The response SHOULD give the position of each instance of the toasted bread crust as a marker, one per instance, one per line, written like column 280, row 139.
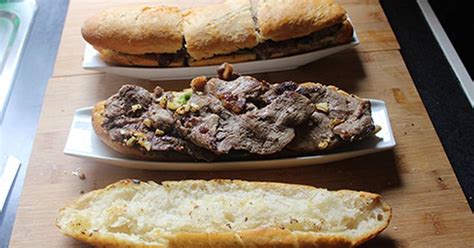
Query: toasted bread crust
column 260, row 237
column 219, row 29
column 212, row 33
column 97, row 124
column 345, row 34
column 229, row 58
column 117, row 58
column 135, row 29
column 282, row 20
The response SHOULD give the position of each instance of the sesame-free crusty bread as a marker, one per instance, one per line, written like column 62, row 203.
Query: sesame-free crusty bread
column 229, row 31
column 219, row 29
column 145, row 60
column 223, row 213
column 281, row 19
column 135, row 29
column 226, row 58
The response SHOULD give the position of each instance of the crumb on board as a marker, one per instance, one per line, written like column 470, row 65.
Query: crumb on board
column 78, row 173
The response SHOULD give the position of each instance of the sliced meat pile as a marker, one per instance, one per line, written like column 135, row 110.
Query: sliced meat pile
column 232, row 116
column 237, row 113
column 134, row 116
column 338, row 118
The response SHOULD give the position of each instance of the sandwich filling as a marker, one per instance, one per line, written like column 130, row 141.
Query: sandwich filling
column 316, row 40
column 236, row 113
column 273, row 49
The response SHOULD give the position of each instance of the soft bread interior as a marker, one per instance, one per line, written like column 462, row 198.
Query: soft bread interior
column 151, row 214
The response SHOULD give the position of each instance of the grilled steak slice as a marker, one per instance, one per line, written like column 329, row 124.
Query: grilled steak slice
column 200, row 126
column 239, row 95
column 338, row 118
column 269, row 129
column 231, row 117
column 119, row 111
column 134, row 117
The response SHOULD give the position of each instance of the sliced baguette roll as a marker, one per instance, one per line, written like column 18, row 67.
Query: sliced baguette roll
column 223, row 213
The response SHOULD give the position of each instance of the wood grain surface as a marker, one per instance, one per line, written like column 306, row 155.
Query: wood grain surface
column 416, row 179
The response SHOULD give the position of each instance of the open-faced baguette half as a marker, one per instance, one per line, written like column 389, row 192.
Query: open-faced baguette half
column 223, row 213
column 231, row 113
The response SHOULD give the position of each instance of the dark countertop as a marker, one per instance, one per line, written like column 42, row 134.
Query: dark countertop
column 442, row 95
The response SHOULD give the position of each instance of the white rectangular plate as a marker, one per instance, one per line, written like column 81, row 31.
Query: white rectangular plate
column 93, row 62
column 83, row 142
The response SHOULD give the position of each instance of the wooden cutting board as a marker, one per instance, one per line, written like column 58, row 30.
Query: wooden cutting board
column 429, row 209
